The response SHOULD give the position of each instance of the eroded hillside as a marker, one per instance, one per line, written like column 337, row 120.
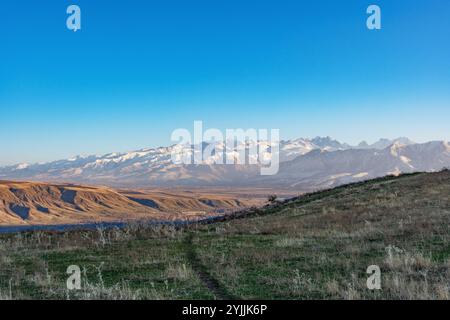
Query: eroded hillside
column 42, row 203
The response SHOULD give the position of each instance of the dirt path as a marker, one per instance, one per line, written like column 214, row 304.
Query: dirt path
column 219, row 292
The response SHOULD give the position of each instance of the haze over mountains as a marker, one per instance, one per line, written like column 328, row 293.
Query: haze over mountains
column 306, row 164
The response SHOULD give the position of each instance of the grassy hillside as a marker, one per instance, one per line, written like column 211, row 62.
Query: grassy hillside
column 315, row 246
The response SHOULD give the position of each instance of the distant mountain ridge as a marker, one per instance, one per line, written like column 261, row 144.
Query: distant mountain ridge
column 305, row 164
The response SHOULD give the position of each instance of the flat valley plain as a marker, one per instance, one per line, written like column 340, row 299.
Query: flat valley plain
column 315, row 246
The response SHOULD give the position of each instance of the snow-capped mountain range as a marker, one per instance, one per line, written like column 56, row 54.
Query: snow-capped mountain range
column 306, row 164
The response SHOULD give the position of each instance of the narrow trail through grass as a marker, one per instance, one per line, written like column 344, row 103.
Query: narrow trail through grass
column 219, row 292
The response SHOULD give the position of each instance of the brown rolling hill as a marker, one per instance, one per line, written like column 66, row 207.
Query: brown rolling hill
column 31, row 203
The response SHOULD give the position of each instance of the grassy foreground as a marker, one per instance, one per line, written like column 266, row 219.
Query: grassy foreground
column 317, row 246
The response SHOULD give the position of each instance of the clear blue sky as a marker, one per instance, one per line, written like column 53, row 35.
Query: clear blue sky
column 140, row 69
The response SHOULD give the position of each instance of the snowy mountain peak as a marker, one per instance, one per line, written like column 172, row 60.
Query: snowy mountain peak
column 328, row 143
column 385, row 143
column 22, row 166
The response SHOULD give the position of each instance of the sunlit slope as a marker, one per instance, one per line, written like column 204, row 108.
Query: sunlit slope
column 41, row 203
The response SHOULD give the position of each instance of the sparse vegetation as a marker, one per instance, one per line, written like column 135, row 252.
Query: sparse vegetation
column 317, row 246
